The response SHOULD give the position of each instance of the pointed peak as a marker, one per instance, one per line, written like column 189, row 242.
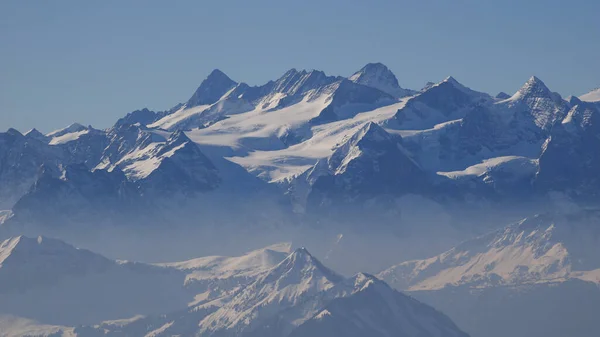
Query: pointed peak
column 178, row 137
column 301, row 254
column 534, row 79
column 450, row 83
column 218, row 74
column 450, row 79
column 14, row 132
column 502, row 95
column 33, row 131
column 301, row 259
column 211, row 89
column 533, row 87
column 574, row 100
column 373, row 132
column 35, row 134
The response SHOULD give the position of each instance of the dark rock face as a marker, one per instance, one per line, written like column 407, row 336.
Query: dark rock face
column 570, row 160
column 211, row 89
column 370, row 163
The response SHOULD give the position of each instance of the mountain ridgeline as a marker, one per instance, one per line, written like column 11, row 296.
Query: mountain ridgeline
column 309, row 152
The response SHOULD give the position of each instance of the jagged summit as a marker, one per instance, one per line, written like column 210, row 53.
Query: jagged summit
column 295, row 82
column 582, row 114
column 211, row 89
column 143, row 117
column 427, row 86
column 379, row 76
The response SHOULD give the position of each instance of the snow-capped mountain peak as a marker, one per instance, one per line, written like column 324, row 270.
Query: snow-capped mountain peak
column 75, row 127
column 533, row 88
column 379, row 76
column 298, row 287
column 35, row 134
column 368, row 312
column 295, row 82
column 370, row 139
column 211, row 89
column 371, row 132
column 540, row 249
column 544, row 106
column 301, row 265
column 456, row 84
column 581, row 115
column 592, row 96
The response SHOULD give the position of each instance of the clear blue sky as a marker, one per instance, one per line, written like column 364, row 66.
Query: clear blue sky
column 93, row 61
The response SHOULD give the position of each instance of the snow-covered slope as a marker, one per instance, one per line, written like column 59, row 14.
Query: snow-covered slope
column 211, row 89
column 250, row 265
column 592, row 96
column 300, row 297
column 541, row 274
column 176, row 164
column 541, row 249
column 445, row 101
column 296, row 288
column 378, row 76
column 37, row 273
column 71, row 129
column 297, row 138
column 543, row 107
column 569, row 159
column 374, row 309
column 517, row 126
column 371, row 162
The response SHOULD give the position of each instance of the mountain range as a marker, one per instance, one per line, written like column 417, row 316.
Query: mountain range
column 364, row 172
column 317, row 149
column 268, row 292
column 541, row 274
